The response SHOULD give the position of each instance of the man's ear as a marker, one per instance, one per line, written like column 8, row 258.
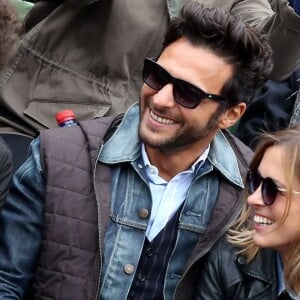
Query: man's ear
column 232, row 115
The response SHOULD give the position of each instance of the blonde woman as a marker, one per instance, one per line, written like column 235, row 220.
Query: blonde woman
column 260, row 256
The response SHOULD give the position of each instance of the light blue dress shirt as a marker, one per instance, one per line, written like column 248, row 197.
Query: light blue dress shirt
column 167, row 196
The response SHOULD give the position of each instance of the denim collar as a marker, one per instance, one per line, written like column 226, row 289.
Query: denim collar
column 223, row 158
column 124, row 146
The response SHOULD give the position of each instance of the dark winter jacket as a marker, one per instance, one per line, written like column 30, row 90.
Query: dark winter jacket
column 275, row 106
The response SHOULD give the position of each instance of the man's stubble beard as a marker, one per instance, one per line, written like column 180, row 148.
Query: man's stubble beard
column 182, row 140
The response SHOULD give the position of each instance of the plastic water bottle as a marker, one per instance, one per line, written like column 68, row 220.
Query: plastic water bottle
column 66, row 118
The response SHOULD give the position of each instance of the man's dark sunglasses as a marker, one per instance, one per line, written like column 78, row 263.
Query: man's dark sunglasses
column 269, row 189
column 184, row 93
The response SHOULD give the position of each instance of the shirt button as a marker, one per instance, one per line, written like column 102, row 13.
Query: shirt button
column 143, row 213
column 140, row 166
column 141, row 277
column 128, row 269
column 149, row 252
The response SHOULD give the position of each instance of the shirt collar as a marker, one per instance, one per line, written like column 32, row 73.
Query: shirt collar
column 280, row 278
column 194, row 168
column 223, row 158
column 281, row 284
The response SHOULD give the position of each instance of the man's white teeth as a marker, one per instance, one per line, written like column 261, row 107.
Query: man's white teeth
column 262, row 220
column 160, row 119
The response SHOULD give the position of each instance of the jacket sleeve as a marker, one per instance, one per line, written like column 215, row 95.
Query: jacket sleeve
column 280, row 21
column 6, row 169
column 21, row 225
column 42, row 8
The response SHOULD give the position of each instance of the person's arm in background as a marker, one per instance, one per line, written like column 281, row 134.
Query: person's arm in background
column 21, row 226
column 281, row 22
column 76, row 2
column 6, row 170
column 42, row 8
column 9, row 26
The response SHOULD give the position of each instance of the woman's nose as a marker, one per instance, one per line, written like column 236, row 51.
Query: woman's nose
column 256, row 197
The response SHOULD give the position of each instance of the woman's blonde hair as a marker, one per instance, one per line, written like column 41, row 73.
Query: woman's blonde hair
column 241, row 233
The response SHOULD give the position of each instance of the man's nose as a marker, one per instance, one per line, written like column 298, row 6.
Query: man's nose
column 164, row 97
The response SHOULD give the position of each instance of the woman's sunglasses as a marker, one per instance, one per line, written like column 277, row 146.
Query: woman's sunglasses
column 269, row 189
column 184, row 93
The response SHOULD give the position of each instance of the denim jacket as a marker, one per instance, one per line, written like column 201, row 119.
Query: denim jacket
column 22, row 218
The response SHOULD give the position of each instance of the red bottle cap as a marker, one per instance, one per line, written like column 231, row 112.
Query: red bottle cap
column 64, row 116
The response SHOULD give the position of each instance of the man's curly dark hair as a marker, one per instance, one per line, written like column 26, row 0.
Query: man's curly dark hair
column 8, row 30
column 229, row 37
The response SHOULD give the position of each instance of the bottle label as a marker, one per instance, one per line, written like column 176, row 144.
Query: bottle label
column 68, row 123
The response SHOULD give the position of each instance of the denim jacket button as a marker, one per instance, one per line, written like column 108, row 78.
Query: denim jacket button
column 143, row 213
column 128, row 269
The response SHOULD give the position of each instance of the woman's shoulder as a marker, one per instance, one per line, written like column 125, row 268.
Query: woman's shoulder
column 224, row 249
column 228, row 275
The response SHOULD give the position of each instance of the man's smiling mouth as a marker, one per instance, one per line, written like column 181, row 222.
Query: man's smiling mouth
column 160, row 119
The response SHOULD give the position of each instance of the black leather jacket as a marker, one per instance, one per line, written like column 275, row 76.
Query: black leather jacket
column 227, row 276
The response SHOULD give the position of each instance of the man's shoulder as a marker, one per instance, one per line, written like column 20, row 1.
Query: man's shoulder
column 86, row 137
